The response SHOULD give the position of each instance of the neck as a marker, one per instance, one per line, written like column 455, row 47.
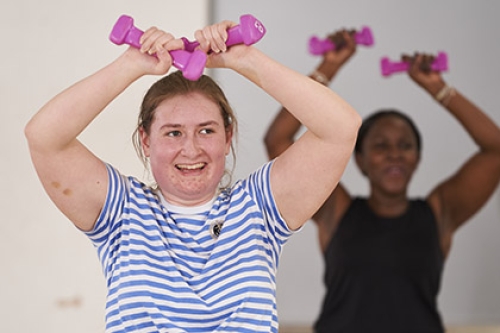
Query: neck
column 388, row 206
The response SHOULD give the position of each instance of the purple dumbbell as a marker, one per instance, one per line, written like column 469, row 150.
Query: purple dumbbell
column 319, row 46
column 439, row 64
column 191, row 64
column 248, row 32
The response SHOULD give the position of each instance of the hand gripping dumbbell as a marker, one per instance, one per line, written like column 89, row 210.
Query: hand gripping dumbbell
column 319, row 46
column 249, row 31
column 191, row 64
column 190, row 61
column 388, row 67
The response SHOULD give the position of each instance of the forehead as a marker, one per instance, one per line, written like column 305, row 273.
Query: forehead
column 389, row 126
column 192, row 107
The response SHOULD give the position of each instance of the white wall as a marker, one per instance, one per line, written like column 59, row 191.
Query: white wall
column 468, row 31
column 50, row 278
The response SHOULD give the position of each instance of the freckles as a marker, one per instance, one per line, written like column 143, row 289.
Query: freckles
column 57, row 185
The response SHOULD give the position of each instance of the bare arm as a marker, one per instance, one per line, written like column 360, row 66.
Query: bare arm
column 460, row 196
column 284, row 128
column 317, row 160
column 73, row 177
column 282, row 131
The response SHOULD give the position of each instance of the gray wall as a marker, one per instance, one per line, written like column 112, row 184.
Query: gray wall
column 468, row 31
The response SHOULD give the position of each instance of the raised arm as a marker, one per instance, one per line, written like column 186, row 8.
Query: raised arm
column 460, row 196
column 74, row 178
column 284, row 128
column 305, row 174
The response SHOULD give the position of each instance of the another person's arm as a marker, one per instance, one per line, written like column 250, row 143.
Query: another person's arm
column 284, row 128
column 461, row 195
column 74, row 178
column 306, row 173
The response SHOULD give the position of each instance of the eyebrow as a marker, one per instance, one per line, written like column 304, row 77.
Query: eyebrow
column 203, row 124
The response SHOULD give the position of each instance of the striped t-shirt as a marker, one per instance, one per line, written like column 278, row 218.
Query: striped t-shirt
column 167, row 271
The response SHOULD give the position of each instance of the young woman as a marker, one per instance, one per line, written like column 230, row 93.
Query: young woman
column 190, row 254
column 384, row 254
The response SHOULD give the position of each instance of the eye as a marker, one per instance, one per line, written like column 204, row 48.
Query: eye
column 173, row 133
column 207, row 131
column 380, row 145
column 406, row 145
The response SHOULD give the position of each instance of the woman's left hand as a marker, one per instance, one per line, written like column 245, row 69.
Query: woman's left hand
column 421, row 72
column 212, row 40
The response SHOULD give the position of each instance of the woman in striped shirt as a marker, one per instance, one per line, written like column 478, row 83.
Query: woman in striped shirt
column 190, row 254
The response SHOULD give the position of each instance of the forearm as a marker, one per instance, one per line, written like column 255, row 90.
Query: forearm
column 484, row 132
column 283, row 130
column 63, row 118
column 315, row 106
column 327, row 70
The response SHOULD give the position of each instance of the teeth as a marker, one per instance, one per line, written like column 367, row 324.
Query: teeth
column 191, row 166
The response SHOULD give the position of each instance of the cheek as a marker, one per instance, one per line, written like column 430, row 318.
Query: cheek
column 159, row 151
column 414, row 159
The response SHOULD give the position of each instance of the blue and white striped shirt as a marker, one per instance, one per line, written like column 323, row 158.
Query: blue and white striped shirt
column 166, row 273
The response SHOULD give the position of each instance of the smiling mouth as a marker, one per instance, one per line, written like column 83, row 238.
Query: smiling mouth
column 395, row 171
column 197, row 166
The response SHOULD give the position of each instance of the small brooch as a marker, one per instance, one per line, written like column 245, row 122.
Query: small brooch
column 215, row 228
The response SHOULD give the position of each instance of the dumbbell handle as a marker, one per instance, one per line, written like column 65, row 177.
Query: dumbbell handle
column 389, row 67
column 191, row 64
column 249, row 31
column 319, row 46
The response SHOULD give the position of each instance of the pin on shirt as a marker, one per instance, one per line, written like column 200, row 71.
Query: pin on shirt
column 215, row 228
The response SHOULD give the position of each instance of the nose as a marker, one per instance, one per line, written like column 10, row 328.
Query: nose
column 394, row 152
column 190, row 146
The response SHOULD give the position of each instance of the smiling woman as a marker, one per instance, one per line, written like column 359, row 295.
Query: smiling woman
column 385, row 253
column 190, row 254
column 187, row 158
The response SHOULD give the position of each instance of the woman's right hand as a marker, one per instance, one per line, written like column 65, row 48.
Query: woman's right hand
column 153, row 57
column 345, row 48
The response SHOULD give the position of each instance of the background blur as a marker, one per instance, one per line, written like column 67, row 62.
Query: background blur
column 50, row 278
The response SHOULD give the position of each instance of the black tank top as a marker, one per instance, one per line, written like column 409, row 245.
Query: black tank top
column 383, row 274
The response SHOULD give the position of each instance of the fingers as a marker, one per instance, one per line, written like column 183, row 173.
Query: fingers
column 156, row 41
column 419, row 62
column 213, row 38
column 345, row 47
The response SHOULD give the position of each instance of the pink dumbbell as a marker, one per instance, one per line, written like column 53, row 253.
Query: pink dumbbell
column 319, row 46
column 191, row 64
column 439, row 64
column 248, row 32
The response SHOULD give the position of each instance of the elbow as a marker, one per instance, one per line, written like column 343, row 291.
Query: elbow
column 30, row 133
column 271, row 150
column 269, row 144
column 275, row 146
column 34, row 134
column 356, row 122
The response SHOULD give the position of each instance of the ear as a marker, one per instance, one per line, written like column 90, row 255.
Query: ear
column 229, row 139
column 359, row 162
column 145, row 141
